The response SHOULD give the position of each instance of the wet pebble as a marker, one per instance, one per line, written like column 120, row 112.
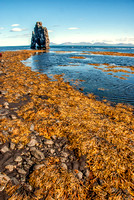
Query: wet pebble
column 75, row 165
column 10, row 167
column 36, row 167
column 32, row 127
column 52, row 151
column 6, row 105
column 79, row 174
column 64, row 165
column 4, row 149
column 3, row 179
column 12, row 146
column 18, row 159
column 32, row 143
column 48, row 142
column 21, row 171
column 36, row 153
column 13, row 117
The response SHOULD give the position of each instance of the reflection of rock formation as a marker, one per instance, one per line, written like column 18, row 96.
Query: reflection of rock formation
column 40, row 37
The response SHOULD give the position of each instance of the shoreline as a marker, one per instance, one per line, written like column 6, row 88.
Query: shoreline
column 33, row 104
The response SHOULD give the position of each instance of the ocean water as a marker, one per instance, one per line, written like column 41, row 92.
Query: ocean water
column 84, row 76
column 13, row 48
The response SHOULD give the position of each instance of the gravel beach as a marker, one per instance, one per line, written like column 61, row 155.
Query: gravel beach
column 57, row 143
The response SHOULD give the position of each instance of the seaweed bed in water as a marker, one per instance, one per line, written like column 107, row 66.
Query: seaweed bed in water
column 102, row 133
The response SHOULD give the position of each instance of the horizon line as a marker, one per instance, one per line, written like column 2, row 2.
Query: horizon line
column 77, row 43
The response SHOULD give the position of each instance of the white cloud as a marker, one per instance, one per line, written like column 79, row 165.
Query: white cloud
column 17, row 29
column 1, row 28
column 15, row 25
column 50, row 31
column 73, row 28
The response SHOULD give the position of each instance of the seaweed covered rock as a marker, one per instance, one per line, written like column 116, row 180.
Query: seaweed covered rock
column 40, row 38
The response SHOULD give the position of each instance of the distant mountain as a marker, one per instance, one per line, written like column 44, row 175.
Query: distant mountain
column 52, row 43
column 79, row 43
column 92, row 44
column 106, row 44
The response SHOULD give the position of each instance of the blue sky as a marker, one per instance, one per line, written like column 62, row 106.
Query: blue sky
column 110, row 21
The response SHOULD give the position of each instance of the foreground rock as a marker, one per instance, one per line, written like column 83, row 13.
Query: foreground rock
column 17, row 163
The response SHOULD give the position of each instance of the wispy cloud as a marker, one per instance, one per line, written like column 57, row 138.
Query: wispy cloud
column 15, row 24
column 73, row 28
column 1, row 28
column 18, row 29
column 19, row 35
column 125, row 39
column 50, row 31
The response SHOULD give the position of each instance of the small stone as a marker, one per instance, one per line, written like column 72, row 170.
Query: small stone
column 3, row 92
column 32, row 127
column 79, row 174
column 4, row 180
column 18, row 159
column 75, row 165
column 87, row 173
column 64, row 154
column 20, row 146
column 2, row 117
column 19, row 164
column 82, row 165
column 52, row 151
column 2, row 61
column 32, row 143
column 64, row 165
column 36, row 167
column 4, row 149
column 12, row 146
column 13, row 117
column 3, row 111
column 54, row 137
column 30, row 162
column 14, row 180
column 37, row 154
column 10, row 167
column 5, row 132
column 23, row 179
column 26, row 167
column 21, row 171
column 56, row 144
column 29, row 187
column 63, row 159
column 6, row 105
column 48, row 142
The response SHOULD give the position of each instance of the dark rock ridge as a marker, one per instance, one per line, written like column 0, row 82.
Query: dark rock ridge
column 40, row 38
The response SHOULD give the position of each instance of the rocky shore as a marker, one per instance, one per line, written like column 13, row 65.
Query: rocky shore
column 57, row 143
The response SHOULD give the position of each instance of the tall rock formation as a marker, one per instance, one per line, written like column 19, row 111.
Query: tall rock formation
column 40, row 38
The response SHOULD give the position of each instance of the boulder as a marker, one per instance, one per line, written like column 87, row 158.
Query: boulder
column 40, row 38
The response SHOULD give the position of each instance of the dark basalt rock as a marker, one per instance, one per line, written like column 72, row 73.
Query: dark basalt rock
column 40, row 38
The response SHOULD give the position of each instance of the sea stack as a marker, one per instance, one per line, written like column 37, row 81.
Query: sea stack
column 40, row 38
